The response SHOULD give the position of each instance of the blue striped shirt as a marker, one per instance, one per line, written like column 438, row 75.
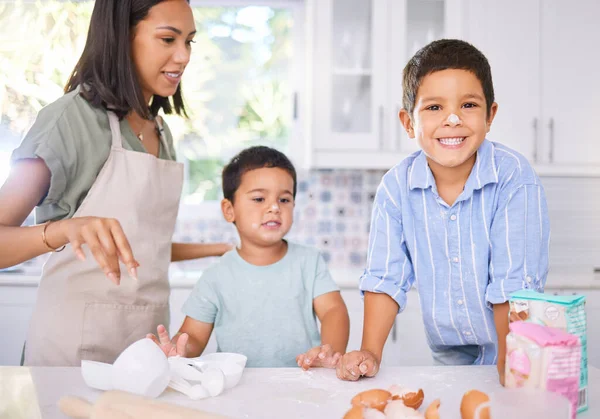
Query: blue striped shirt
column 462, row 258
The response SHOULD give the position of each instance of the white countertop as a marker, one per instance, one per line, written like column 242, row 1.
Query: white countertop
column 558, row 278
column 268, row 392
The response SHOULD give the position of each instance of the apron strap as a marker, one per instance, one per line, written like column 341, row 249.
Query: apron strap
column 162, row 136
column 115, row 130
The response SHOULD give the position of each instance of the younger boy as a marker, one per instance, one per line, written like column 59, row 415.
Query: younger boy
column 262, row 299
column 464, row 219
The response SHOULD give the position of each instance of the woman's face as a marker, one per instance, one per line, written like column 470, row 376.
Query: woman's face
column 161, row 47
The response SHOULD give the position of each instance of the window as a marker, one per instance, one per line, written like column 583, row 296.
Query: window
column 240, row 87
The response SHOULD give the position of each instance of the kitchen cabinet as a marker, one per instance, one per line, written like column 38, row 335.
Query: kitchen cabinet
column 16, row 307
column 544, row 65
column 359, row 49
column 406, row 343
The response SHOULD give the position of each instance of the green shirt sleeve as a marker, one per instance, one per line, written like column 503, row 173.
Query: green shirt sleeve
column 323, row 281
column 203, row 302
column 48, row 139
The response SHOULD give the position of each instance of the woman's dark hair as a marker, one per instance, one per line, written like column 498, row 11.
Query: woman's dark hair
column 105, row 71
column 441, row 55
column 250, row 159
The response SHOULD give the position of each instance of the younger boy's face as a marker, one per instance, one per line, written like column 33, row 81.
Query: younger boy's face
column 449, row 142
column 263, row 207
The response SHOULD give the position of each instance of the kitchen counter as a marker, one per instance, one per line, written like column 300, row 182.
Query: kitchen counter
column 268, row 392
column 559, row 278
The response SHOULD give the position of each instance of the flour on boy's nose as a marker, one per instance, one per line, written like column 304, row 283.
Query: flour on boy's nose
column 453, row 119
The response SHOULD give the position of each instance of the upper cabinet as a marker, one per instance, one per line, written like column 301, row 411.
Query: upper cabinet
column 544, row 59
column 359, row 49
column 543, row 56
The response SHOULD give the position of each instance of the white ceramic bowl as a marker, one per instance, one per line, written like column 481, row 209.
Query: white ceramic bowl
column 141, row 369
column 231, row 364
column 225, row 357
column 97, row 374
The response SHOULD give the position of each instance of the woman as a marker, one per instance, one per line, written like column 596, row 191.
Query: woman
column 99, row 165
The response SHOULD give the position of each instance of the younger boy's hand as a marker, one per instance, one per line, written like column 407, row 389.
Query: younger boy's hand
column 355, row 364
column 319, row 356
column 171, row 347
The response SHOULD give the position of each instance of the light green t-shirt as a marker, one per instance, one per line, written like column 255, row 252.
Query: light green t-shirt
column 263, row 312
column 74, row 140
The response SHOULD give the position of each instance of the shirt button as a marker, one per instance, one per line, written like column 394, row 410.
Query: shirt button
column 528, row 279
column 460, row 302
column 467, row 333
column 455, row 259
column 453, row 217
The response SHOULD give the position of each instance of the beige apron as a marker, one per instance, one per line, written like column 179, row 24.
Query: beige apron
column 80, row 313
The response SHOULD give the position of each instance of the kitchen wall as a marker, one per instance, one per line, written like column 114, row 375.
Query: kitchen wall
column 333, row 212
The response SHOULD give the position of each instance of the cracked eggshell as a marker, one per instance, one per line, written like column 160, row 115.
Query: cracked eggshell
column 433, row 410
column 375, row 399
column 471, row 399
column 398, row 410
column 410, row 397
column 358, row 412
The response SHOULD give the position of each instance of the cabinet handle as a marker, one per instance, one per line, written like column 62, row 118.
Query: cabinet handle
column 535, row 140
column 551, row 129
column 394, row 333
column 295, row 104
column 381, row 143
column 398, row 134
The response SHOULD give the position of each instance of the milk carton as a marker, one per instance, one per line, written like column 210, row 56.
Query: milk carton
column 544, row 358
column 566, row 313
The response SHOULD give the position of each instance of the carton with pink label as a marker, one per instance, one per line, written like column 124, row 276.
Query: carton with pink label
column 544, row 358
column 566, row 313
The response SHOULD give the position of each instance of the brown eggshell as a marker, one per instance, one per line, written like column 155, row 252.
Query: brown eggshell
column 471, row 399
column 414, row 400
column 355, row 413
column 433, row 410
column 375, row 399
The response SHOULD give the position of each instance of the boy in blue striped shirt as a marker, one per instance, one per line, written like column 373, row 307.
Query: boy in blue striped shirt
column 464, row 220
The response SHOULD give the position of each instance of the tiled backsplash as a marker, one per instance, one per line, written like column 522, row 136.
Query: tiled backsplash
column 333, row 210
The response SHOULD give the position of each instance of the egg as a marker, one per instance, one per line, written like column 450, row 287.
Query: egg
column 396, row 409
column 410, row 397
column 375, row 399
column 433, row 410
column 469, row 403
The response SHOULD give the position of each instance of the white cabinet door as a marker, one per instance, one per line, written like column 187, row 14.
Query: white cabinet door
column 349, row 74
column 16, row 307
column 406, row 344
column 178, row 297
column 355, row 306
column 511, row 43
column 571, row 86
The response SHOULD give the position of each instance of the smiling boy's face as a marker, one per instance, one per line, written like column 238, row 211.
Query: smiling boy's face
column 263, row 207
column 449, row 142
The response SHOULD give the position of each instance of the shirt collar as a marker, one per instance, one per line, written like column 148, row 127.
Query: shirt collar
column 483, row 172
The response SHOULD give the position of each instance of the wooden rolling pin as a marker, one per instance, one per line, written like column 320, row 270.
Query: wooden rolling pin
column 116, row 404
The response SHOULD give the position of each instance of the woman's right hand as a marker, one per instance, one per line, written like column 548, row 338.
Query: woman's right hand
column 105, row 239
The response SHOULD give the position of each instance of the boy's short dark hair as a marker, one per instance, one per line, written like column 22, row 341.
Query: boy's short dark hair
column 445, row 54
column 250, row 159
